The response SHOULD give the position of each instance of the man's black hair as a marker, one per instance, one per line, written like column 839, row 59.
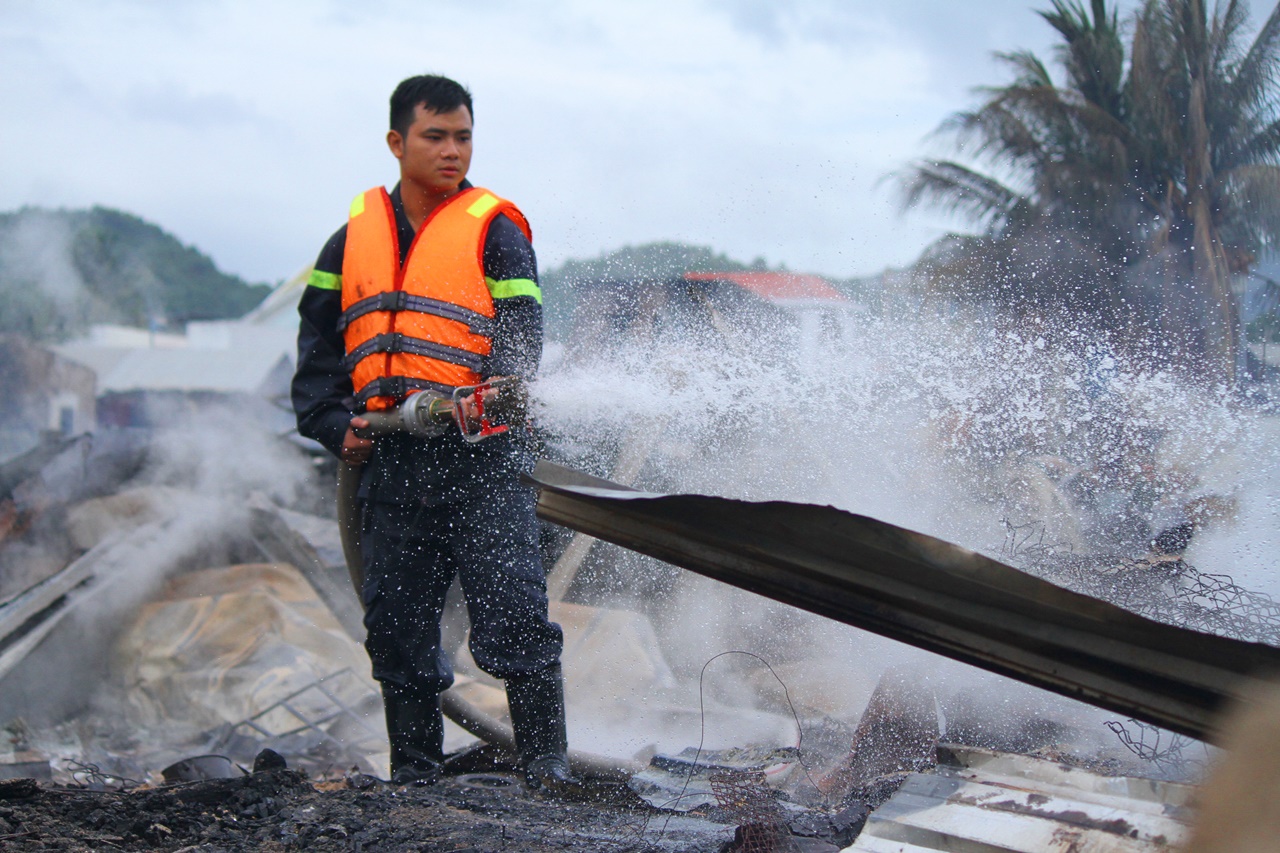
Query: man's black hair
column 436, row 94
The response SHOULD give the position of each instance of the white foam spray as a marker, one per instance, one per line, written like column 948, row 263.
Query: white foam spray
column 949, row 426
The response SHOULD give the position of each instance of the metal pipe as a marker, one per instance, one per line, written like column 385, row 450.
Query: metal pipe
column 499, row 734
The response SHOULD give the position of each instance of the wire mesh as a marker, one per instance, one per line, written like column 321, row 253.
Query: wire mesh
column 93, row 777
column 1164, row 589
column 744, row 795
column 1166, row 750
column 307, row 719
column 1167, row 590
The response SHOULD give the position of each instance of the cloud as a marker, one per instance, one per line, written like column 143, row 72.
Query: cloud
column 170, row 103
column 246, row 126
column 847, row 26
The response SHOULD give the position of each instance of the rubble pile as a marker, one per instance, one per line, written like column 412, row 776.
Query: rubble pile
column 178, row 641
column 282, row 810
column 171, row 637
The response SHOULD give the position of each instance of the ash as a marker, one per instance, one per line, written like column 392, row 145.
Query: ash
column 284, row 810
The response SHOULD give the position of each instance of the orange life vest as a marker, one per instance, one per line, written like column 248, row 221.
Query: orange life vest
column 427, row 324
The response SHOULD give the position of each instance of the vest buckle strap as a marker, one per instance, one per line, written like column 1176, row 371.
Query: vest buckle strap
column 397, row 388
column 395, row 342
column 391, row 343
column 388, row 300
column 391, row 300
column 477, row 323
column 394, row 386
column 401, row 300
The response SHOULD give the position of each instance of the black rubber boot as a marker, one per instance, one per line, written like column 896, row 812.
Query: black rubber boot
column 415, row 728
column 537, row 718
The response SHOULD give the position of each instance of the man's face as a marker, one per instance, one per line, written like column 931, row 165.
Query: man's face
column 435, row 153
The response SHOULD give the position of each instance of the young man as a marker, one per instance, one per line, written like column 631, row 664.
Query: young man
column 431, row 287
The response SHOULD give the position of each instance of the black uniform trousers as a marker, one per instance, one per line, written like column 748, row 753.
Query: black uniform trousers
column 412, row 551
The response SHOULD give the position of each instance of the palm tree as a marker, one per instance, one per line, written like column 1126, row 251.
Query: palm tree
column 1133, row 191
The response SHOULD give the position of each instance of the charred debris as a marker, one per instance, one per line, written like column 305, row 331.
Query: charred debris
column 216, row 701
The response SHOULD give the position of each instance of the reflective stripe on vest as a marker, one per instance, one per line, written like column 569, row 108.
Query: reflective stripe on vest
column 395, row 343
column 426, row 324
column 398, row 300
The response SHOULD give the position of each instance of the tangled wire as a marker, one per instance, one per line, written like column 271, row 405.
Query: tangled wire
column 1174, row 592
column 1168, row 590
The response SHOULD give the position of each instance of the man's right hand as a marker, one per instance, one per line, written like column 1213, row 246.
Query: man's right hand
column 356, row 450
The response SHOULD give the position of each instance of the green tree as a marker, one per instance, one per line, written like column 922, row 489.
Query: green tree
column 62, row 270
column 1133, row 190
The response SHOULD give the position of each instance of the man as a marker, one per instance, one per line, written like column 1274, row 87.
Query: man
column 432, row 287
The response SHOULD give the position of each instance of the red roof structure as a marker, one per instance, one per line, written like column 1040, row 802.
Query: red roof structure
column 775, row 286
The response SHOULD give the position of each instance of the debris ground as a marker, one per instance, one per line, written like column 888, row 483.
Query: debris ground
column 283, row 810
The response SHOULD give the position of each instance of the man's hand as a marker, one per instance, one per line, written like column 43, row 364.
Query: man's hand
column 356, row 450
column 468, row 412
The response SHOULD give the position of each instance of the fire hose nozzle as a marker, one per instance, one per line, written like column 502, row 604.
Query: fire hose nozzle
column 490, row 408
column 424, row 414
column 477, row 411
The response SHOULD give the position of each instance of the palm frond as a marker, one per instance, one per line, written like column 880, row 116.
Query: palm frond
column 1225, row 28
column 955, row 188
column 997, row 134
column 1150, row 94
column 1253, row 213
column 1248, row 94
column 1263, row 146
column 1092, row 51
column 1258, row 71
column 1028, row 70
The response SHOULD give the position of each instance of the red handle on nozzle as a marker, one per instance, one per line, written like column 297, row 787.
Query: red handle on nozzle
column 487, row 427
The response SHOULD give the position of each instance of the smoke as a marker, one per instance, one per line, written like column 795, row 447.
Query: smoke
column 205, row 469
column 37, row 247
column 188, row 507
column 946, row 425
column 42, row 294
column 222, row 452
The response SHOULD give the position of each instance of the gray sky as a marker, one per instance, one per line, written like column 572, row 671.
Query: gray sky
column 246, row 126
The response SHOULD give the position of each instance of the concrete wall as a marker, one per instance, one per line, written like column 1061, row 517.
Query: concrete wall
column 41, row 391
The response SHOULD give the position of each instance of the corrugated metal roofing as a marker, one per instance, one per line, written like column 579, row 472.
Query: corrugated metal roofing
column 977, row 800
column 253, row 354
column 280, row 308
column 776, row 286
column 246, row 370
column 927, row 592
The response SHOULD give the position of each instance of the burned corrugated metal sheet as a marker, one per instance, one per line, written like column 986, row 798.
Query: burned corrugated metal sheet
column 923, row 591
column 976, row 800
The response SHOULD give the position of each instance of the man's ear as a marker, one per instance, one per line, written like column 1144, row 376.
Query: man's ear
column 396, row 143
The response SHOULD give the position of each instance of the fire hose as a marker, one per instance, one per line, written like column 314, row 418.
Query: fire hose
column 479, row 412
